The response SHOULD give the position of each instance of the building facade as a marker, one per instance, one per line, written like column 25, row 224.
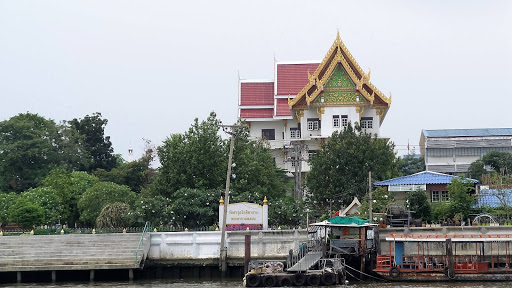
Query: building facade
column 307, row 101
column 451, row 151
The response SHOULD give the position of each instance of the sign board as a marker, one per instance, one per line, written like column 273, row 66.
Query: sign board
column 244, row 213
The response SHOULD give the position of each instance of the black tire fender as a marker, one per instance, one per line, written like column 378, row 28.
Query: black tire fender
column 252, row 280
column 394, row 272
column 328, row 279
column 299, row 279
column 286, row 282
column 314, row 280
column 269, row 281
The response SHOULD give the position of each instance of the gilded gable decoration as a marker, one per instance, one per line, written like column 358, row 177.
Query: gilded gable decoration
column 339, row 81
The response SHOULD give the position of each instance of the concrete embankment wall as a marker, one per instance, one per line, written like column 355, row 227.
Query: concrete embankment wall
column 203, row 248
column 439, row 248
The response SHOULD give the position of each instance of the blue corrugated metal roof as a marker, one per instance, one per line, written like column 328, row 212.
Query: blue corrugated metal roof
column 425, row 177
column 489, row 198
column 468, row 132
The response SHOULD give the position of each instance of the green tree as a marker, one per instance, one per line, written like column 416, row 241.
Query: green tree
column 499, row 161
column 477, row 169
column 255, row 175
column 114, row 215
column 6, row 201
column 194, row 207
column 381, row 199
column 47, row 199
column 461, row 200
column 196, row 159
column 137, row 174
column 29, row 150
column 285, row 211
column 100, row 195
column 418, row 202
column 97, row 145
column 26, row 214
column 409, row 164
column 340, row 169
column 154, row 209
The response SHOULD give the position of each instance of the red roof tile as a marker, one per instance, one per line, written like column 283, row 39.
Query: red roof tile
column 258, row 93
column 291, row 78
column 282, row 108
column 256, row 113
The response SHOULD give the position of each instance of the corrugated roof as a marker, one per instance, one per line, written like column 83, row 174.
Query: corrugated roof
column 425, row 177
column 291, row 78
column 468, row 132
column 258, row 93
column 491, row 198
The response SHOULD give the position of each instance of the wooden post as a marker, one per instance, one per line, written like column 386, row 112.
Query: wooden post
column 130, row 274
column 449, row 254
column 54, row 276
column 18, row 277
column 247, row 257
column 91, row 276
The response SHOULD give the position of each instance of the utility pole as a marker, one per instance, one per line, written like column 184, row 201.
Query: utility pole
column 296, row 150
column 370, row 205
column 223, row 249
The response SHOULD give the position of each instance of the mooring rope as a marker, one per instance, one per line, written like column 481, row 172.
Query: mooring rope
column 352, row 275
column 364, row 274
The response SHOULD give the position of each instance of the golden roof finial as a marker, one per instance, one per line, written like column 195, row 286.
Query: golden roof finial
column 221, row 202
column 338, row 35
column 369, row 72
column 265, row 201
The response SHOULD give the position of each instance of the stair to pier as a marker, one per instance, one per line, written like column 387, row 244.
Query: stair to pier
column 310, row 259
column 69, row 252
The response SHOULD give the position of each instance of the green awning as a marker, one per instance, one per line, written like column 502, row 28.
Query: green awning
column 348, row 220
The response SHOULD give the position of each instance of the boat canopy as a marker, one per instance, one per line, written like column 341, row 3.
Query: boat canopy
column 343, row 221
column 453, row 237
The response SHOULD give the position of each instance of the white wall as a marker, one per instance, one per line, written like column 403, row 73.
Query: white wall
column 206, row 245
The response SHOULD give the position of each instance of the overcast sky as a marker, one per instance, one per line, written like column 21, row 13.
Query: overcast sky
column 151, row 67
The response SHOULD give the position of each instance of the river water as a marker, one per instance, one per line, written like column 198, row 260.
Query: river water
column 238, row 283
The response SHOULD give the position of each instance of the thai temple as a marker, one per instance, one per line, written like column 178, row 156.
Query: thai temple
column 307, row 101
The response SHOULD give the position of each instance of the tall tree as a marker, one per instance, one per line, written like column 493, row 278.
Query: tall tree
column 29, row 149
column 99, row 147
column 196, row 159
column 101, row 194
column 255, row 175
column 409, row 164
column 340, row 169
column 461, row 200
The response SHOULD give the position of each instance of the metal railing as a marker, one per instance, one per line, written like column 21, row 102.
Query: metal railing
column 143, row 244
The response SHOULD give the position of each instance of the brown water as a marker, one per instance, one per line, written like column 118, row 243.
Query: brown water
column 238, row 283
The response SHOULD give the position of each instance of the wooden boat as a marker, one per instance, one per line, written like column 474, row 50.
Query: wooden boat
column 319, row 262
column 439, row 257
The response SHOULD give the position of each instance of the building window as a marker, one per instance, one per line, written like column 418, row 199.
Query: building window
column 311, row 153
column 268, row 134
column 295, row 161
column 344, row 120
column 367, row 122
column 440, row 196
column 336, row 121
column 294, row 133
column 313, row 124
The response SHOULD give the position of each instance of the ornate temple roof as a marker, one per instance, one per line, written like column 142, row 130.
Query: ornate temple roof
column 335, row 81
column 339, row 80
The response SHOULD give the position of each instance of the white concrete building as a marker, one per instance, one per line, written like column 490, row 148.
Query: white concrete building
column 451, row 151
column 307, row 101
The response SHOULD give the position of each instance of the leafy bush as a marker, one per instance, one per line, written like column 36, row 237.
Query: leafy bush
column 100, row 195
column 418, row 202
column 26, row 214
column 114, row 215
